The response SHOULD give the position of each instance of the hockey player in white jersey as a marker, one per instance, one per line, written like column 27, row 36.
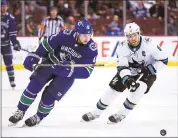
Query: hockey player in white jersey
column 139, row 59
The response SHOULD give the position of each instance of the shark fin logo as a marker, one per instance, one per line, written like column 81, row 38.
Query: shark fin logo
column 136, row 64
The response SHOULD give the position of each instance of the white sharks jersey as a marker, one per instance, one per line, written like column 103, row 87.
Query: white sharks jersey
column 147, row 52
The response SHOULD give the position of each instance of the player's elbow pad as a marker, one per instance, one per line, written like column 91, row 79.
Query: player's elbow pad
column 82, row 72
column 165, row 61
column 41, row 51
column 160, row 64
column 13, row 39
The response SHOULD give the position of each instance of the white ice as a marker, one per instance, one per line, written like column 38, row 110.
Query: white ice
column 156, row 111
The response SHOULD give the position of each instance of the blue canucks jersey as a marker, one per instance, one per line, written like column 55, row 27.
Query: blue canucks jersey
column 8, row 29
column 64, row 47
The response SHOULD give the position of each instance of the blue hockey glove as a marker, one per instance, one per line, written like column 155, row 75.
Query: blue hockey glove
column 17, row 46
column 30, row 60
column 63, row 70
column 130, row 83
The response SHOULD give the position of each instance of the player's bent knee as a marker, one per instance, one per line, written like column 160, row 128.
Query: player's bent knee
column 47, row 96
column 36, row 85
column 56, row 91
column 57, row 95
column 109, row 95
column 59, row 90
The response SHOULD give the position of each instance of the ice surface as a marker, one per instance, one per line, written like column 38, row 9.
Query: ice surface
column 156, row 111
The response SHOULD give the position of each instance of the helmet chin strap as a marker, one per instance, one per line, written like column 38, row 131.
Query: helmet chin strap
column 77, row 38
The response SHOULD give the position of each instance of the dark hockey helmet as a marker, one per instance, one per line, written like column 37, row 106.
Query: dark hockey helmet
column 4, row 2
column 83, row 27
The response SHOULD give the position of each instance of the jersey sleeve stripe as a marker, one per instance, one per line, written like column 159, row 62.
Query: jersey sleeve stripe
column 53, row 58
column 12, row 34
column 46, row 45
column 89, row 69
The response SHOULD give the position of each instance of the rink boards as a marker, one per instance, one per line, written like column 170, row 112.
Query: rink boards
column 106, row 49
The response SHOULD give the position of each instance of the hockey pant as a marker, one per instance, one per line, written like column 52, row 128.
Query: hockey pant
column 55, row 90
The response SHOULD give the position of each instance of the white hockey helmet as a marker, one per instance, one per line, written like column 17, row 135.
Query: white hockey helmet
column 131, row 28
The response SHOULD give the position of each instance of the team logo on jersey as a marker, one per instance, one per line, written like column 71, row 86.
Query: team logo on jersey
column 92, row 46
column 80, row 23
column 65, row 57
column 136, row 64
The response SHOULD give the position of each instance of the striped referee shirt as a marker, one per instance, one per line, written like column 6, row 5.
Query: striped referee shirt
column 50, row 26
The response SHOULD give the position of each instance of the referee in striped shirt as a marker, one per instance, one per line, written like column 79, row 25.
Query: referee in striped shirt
column 51, row 24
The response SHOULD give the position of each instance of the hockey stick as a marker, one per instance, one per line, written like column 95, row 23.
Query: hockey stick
column 25, row 50
column 70, row 65
column 138, row 84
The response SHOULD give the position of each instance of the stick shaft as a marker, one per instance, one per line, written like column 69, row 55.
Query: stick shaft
column 25, row 50
column 70, row 65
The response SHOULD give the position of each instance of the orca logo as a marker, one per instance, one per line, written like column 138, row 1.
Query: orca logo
column 79, row 23
column 92, row 46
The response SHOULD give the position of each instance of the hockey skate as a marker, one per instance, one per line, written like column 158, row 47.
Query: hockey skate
column 90, row 116
column 115, row 118
column 14, row 119
column 13, row 85
column 32, row 121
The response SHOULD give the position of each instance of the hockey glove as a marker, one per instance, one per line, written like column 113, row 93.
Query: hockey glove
column 17, row 46
column 64, row 70
column 150, row 72
column 30, row 60
column 130, row 83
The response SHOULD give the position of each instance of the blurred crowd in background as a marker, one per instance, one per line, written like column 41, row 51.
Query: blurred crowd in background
column 105, row 15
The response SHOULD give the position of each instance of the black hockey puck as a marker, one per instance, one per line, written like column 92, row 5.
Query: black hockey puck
column 163, row 132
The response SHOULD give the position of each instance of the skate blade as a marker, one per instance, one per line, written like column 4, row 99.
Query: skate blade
column 83, row 120
column 110, row 123
column 24, row 125
column 12, row 124
column 16, row 125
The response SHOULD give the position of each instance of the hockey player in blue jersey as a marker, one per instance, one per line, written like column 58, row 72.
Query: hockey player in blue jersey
column 66, row 47
column 8, row 34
